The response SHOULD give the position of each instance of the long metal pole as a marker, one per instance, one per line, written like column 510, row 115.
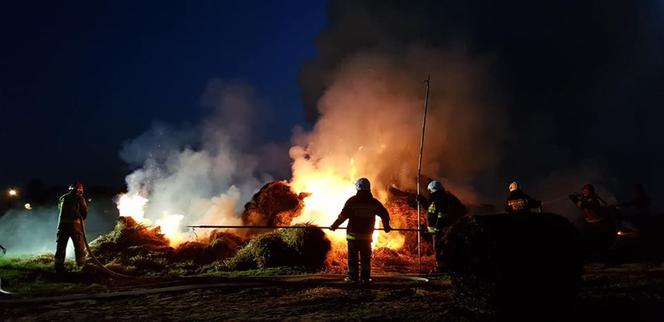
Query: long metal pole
column 419, row 172
column 280, row 227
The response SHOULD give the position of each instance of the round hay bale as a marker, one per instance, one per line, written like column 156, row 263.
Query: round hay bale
column 306, row 248
column 274, row 204
column 263, row 251
column 220, row 245
column 515, row 265
column 310, row 247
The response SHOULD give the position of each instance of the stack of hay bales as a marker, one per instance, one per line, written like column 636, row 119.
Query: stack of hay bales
column 515, row 266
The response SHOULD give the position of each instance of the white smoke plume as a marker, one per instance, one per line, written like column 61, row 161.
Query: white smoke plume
column 203, row 173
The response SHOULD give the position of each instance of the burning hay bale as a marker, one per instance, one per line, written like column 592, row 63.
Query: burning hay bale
column 274, row 204
column 306, row 248
column 218, row 246
column 128, row 239
column 135, row 248
column 511, row 264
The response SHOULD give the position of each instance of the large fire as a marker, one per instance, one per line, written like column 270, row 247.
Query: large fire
column 328, row 194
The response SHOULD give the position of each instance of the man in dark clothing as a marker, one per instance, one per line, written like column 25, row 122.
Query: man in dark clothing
column 73, row 211
column 444, row 210
column 592, row 205
column 361, row 211
column 518, row 202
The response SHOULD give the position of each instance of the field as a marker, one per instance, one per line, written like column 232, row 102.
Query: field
column 609, row 292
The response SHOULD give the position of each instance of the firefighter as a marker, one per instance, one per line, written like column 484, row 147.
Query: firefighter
column 518, row 202
column 444, row 210
column 592, row 205
column 73, row 211
column 361, row 211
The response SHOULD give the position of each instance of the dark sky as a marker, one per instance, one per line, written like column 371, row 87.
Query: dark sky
column 79, row 78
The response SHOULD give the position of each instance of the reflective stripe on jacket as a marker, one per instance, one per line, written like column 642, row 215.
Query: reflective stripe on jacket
column 444, row 209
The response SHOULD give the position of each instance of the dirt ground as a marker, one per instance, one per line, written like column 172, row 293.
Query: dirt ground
column 628, row 292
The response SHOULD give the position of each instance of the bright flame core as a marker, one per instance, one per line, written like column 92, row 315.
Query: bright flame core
column 170, row 226
column 328, row 194
column 133, row 205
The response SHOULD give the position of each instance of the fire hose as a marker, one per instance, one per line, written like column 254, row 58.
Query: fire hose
column 94, row 258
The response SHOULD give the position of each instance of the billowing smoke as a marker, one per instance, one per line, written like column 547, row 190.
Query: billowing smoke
column 371, row 116
column 521, row 90
column 203, row 173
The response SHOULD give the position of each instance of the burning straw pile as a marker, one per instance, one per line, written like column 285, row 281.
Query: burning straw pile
column 135, row 248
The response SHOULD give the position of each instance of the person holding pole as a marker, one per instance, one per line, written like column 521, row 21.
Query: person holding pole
column 361, row 211
column 444, row 210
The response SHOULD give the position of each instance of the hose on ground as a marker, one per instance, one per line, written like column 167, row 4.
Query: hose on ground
column 94, row 258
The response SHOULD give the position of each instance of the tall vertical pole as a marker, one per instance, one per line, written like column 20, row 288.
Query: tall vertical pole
column 419, row 173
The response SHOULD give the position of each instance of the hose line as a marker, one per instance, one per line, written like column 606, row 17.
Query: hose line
column 94, row 258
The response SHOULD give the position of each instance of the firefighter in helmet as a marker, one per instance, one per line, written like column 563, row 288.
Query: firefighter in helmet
column 361, row 211
column 592, row 205
column 518, row 202
column 73, row 212
column 444, row 210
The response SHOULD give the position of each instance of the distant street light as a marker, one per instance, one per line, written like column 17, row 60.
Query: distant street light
column 13, row 193
column 27, row 206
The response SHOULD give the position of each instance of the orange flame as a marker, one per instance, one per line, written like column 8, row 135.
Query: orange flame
column 328, row 194
column 133, row 205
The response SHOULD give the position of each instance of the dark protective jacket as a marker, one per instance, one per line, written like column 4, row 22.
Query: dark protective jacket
column 72, row 207
column 519, row 202
column 361, row 211
column 444, row 209
column 593, row 206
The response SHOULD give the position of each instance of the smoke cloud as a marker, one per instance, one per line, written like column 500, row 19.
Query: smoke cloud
column 521, row 90
column 203, row 173
column 371, row 116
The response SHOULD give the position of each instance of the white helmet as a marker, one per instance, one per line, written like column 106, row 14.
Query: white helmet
column 363, row 184
column 514, row 186
column 434, row 186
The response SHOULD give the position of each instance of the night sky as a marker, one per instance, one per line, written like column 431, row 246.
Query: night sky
column 580, row 81
column 80, row 78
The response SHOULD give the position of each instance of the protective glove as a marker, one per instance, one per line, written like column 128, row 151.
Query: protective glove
column 387, row 229
column 333, row 228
